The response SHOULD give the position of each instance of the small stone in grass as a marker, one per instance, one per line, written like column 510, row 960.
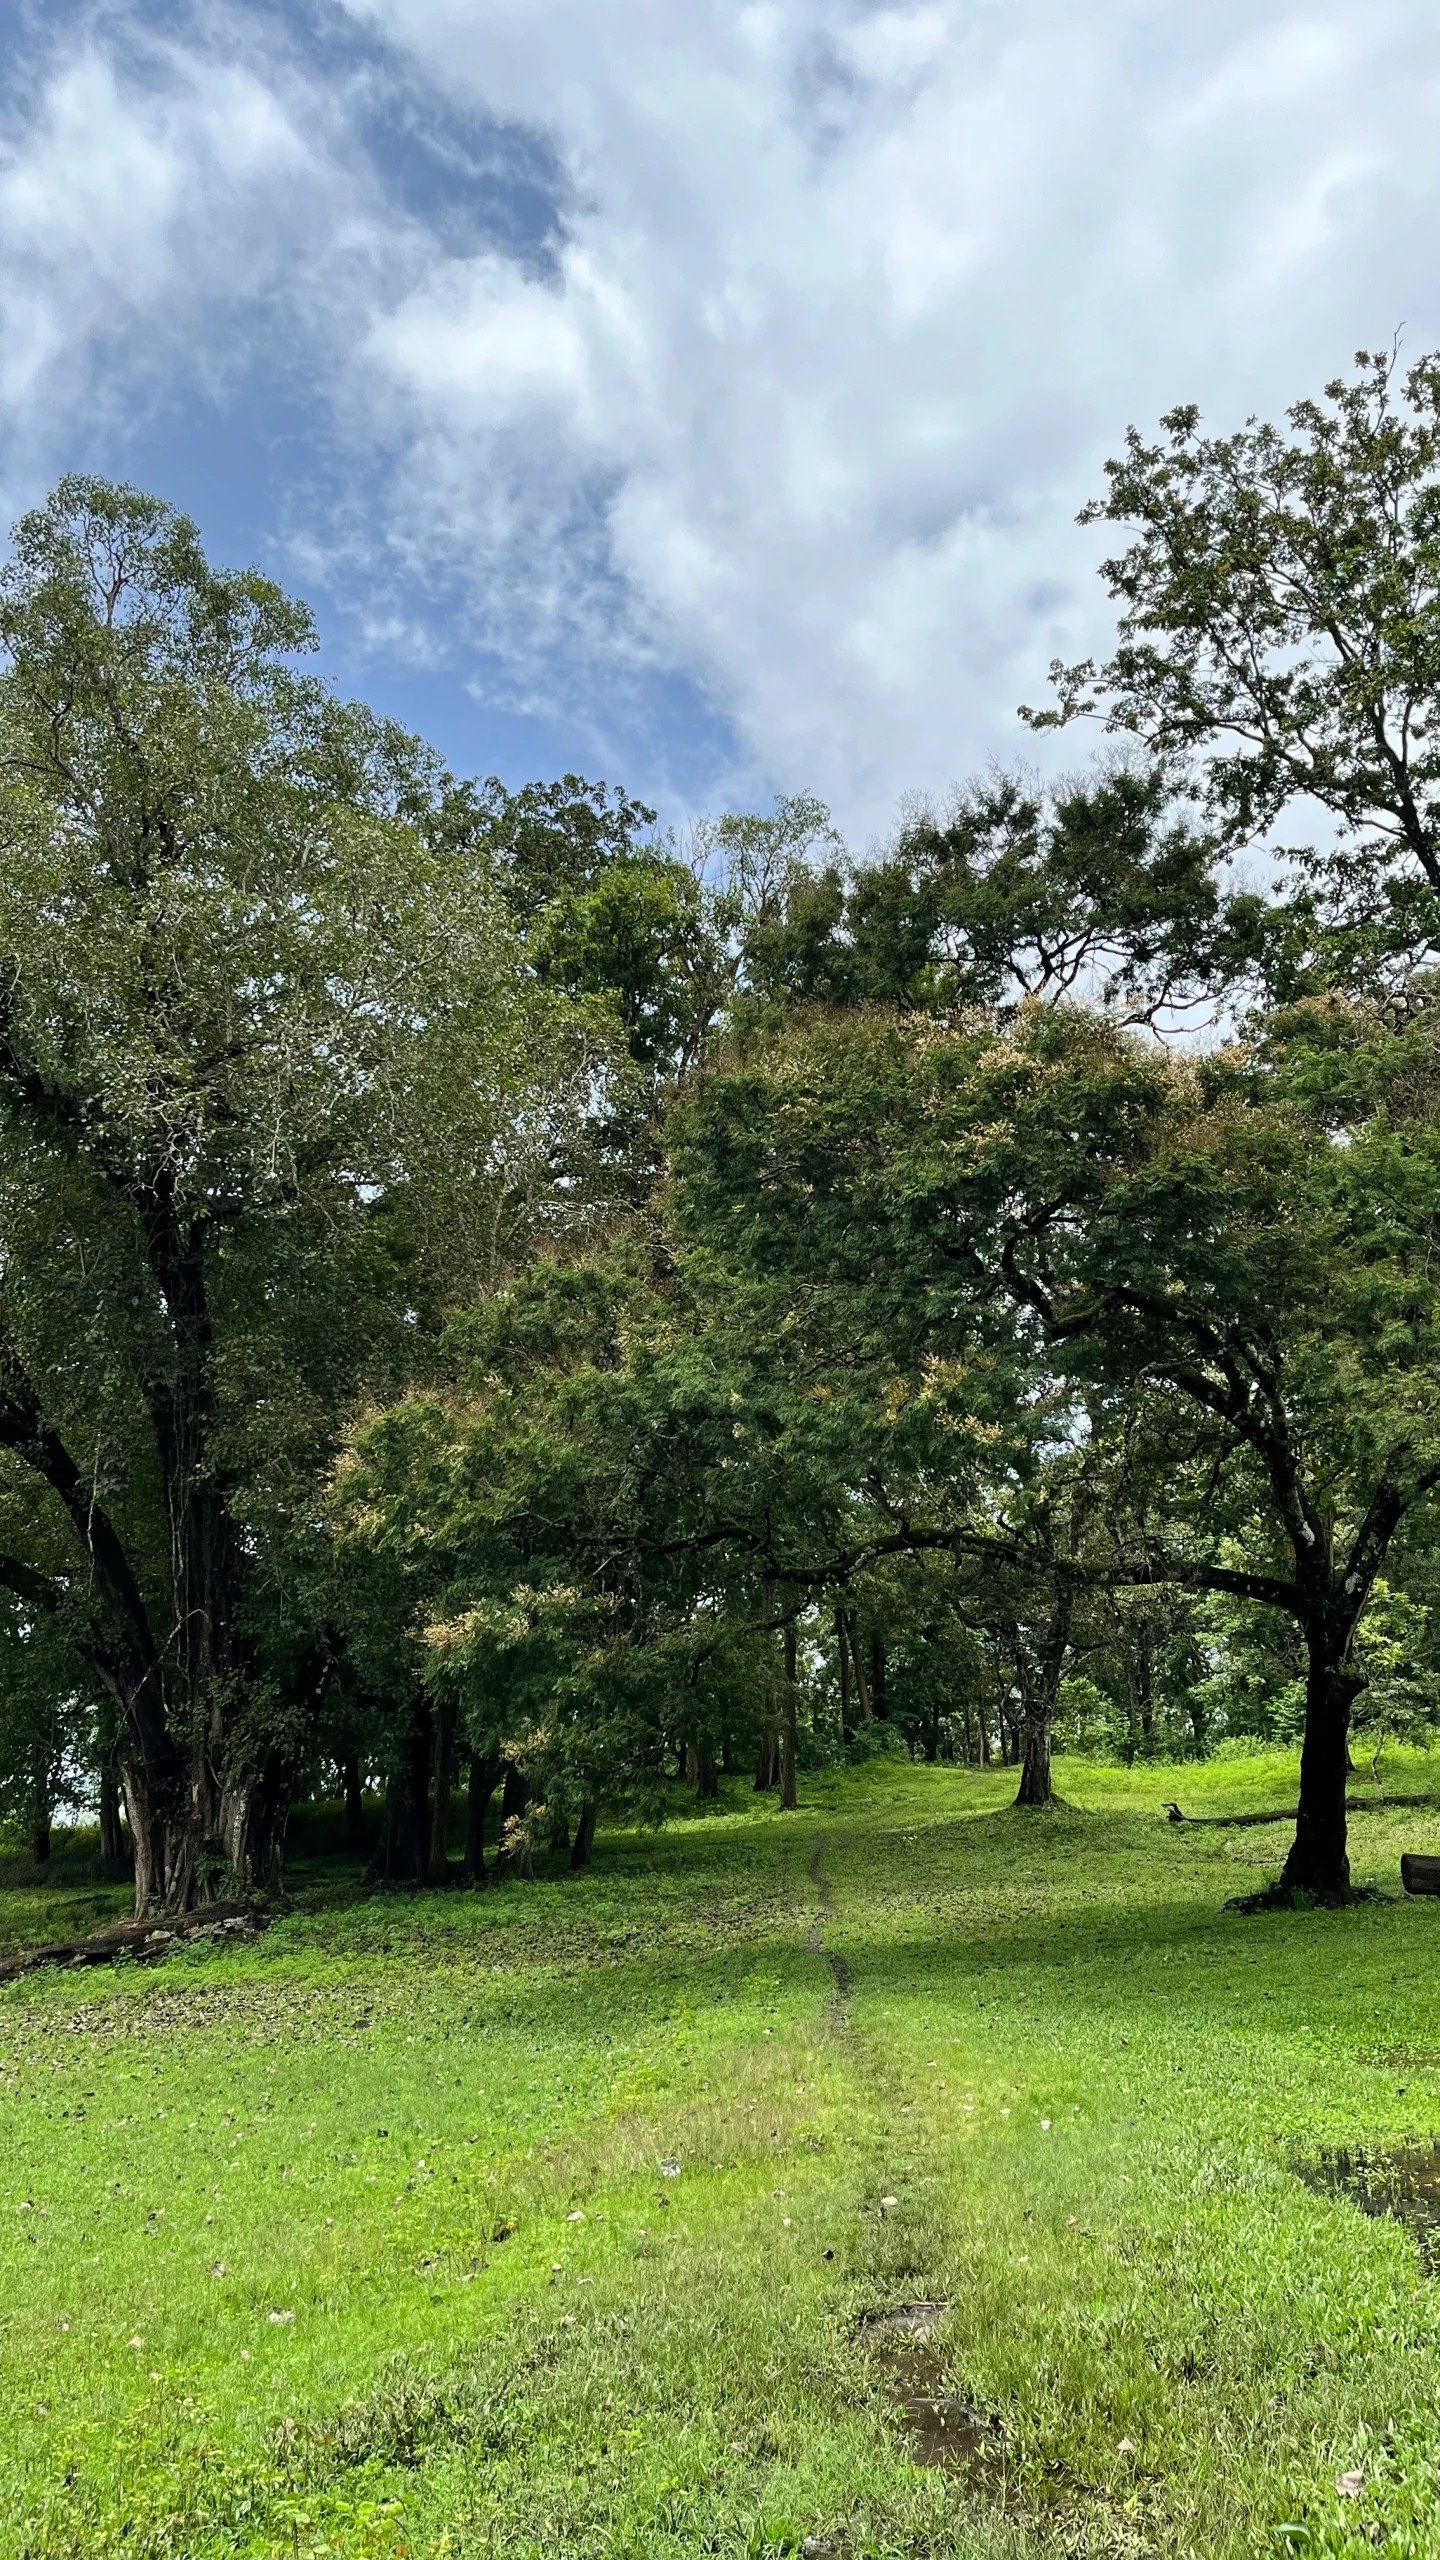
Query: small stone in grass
column 1044, row 2124
column 279, row 2319
column 1125, row 2445
column 574, row 2217
column 218, row 2268
column 1349, row 2483
column 669, row 2168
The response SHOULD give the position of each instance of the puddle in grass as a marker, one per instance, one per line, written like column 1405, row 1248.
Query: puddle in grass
column 1403, row 2184
column 943, row 2430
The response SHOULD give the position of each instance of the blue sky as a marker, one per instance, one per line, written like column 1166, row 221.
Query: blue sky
column 699, row 396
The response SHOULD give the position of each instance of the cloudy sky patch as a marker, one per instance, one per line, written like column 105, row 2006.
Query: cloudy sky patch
column 698, row 394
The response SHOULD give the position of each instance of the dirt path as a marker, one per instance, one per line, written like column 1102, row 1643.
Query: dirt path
column 815, row 1939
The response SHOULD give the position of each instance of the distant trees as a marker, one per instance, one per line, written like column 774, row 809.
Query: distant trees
column 984, row 1276
column 1233, row 1277
column 488, row 1291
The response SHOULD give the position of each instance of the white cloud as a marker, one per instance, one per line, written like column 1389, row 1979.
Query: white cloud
column 488, row 350
column 853, row 302
column 856, row 301
column 1274, row 71
column 128, row 208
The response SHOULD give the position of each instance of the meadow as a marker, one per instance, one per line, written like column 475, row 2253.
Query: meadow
column 547, row 2219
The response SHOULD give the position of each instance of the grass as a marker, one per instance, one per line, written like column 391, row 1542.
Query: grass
column 360, row 2240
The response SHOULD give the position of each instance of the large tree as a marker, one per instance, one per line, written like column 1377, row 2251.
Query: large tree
column 1230, row 1260
column 274, row 1082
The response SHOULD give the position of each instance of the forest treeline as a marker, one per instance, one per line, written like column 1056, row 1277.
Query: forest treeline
column 492, row 1295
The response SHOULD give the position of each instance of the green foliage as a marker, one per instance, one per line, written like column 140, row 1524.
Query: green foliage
column 274, row 1085
column 1015, row 893
column 1280, row 645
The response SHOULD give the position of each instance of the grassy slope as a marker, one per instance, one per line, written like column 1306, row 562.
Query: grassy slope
column 1079, row 2076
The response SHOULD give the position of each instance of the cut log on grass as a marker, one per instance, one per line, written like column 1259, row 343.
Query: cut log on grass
column 1420, row 1875
column 146, row 1938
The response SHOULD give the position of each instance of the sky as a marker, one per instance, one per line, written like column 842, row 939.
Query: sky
column 694, row 396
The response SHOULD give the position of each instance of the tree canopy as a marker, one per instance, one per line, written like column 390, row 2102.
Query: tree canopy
column 489, row 1285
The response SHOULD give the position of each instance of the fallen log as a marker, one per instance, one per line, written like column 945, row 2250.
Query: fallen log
column 144, row 1938
column 1419, row 1874
column 1227, row 1821
column 1288, row 1813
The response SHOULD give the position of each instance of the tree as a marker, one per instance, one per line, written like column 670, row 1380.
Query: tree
column 543, row 1504
column 1016, row 892
column 1227, row 1260
column 1280, row 647
column 273, row 1082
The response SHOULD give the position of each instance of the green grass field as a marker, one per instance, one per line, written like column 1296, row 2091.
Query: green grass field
column 359, row 2240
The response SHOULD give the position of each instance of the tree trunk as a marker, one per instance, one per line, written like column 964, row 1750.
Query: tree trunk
column 692, row 1765
column 1319, row 1862
column 707, row 1778
column 250, row 1833
column 877, row 1679
column 1040, row 1696
column 404, row 1845
column 842, row 1649
column 354, row 1802
column 862, row 1686
column 440, row 1811
column 560, row 1836
column 1144, row 1689
column 40, row 1840
column 930, row 1739
column 788, row 1732
column 484, row 1778
column 114, row 1850
column 1034, row 1787
column 767, row 1766
column 584, row 1842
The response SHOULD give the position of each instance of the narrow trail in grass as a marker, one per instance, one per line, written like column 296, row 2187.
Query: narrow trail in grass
column 815, row 1940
